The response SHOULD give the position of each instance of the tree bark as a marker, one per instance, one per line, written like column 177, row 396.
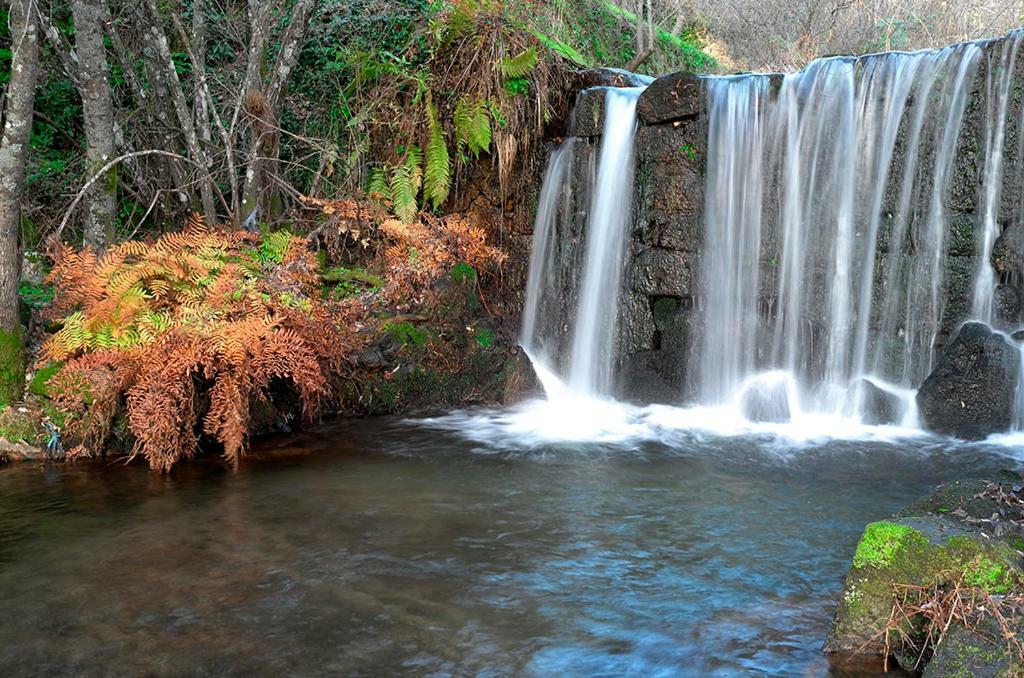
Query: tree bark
column 14, row 145
column 185, row 117
column 98, row 110
column 263, row 155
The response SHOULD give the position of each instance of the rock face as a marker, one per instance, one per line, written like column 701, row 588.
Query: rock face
column 667, row 253
column 936, row 541
column 970, row 394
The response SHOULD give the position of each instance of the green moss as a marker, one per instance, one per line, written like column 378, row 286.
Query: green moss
column 406, row 334
column 41, row 379
column 979, row 568
column 17, row 426
column 12, row 367
column 882, row 541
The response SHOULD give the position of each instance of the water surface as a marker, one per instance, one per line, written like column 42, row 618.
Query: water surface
column 389, row 547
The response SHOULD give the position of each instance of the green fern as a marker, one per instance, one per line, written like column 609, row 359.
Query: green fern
column 519, row 65
column 378, row 183
column 414, row 164
column 472, row 126
column 438, row 179
column 403, row 193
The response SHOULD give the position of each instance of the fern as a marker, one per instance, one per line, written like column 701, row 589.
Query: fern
column 378, row 187
column 414, row 164
column 519, row 65
column 472, row 126
column 403, row 193
column 198, row 324
column 438, row 180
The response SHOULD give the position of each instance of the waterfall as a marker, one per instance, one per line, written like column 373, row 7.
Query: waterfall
column 542, row 255
column 998, row 89
column 589, row 358
column 825, row 229
column 592, row 350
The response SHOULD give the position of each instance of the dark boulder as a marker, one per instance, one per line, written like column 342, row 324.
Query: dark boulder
column 663, row 272
column 671, row 97
column 970, row 394
column 878, row 406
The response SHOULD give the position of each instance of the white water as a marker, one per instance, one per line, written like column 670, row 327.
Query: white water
column 841, row 176
column 590, row 370
column 542, row 256
column 826, row 146
column 998, row 89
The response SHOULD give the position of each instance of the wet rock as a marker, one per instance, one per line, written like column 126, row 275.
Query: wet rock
column 671, row 97
column 879, row 407
column 970, row 393
column 588, row 114
column 19, row 451
column 939, row 540
column 648, row 377
column 964, row 652
column 766, row 401
column 610, row 77
column 663, row 272
column 380, row 353
column 1008, row 252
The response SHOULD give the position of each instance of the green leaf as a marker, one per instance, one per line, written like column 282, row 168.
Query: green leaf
column 519, row 65
column 438, row 179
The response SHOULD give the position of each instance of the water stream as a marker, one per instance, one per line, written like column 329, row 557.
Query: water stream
column 382, row 547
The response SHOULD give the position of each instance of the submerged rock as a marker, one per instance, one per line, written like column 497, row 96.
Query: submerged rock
column 949, row 537
column 970, row 393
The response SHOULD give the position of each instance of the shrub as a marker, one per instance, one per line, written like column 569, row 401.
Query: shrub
column 184, row 334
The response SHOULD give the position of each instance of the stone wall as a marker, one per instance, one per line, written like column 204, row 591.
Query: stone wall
column 659, row 317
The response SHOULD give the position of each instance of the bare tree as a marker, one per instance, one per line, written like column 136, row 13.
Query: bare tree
column 98, row 114
column 14, row 145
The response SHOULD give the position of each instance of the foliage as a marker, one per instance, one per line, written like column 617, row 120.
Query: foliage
column 33, row 296
column 40, row 383
column 420, row 253
column 20, row 424
column 183, row 334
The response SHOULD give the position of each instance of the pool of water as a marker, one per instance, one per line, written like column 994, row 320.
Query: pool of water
column 382, row 547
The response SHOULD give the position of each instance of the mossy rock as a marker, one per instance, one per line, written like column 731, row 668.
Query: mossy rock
column 969, row 654
column 922, row 550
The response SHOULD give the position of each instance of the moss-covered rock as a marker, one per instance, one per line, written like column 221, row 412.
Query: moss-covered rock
column 938, row 540
column 12, row 367
column 970, row 654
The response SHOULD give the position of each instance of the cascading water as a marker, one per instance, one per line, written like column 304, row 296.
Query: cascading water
column 818, row 172
column 823, row 276
column 592, row 346
column 543, row 253
column 998, row 90
column 588, row 365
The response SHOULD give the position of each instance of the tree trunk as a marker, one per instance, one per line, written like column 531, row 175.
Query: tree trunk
column 98, row 109
column 259, row 186
column 186, row 121
column 14, row 146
